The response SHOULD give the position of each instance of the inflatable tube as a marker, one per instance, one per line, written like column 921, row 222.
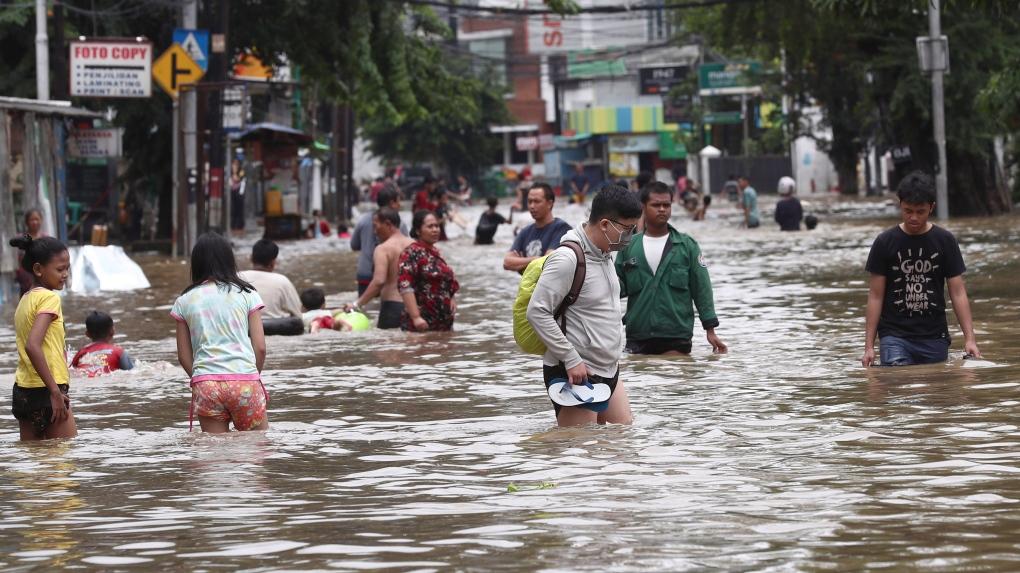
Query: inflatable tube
column 357, row 320
column 290, row 326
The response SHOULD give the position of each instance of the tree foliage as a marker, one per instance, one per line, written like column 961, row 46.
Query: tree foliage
column 383, row 58
column 857, row 60
column 386, row 60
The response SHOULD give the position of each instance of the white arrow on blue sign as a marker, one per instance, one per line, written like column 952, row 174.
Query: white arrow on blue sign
column 195, row 43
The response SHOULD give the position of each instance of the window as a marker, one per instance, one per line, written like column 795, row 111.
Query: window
column 489, row 59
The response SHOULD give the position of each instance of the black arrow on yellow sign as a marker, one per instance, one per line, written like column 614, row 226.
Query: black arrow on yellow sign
column 174, row 68
column 176, row 71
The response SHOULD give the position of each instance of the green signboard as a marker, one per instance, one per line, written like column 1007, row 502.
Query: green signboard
column 593, row 65
column 671, row 146
column 731, row 78
column 722, row 118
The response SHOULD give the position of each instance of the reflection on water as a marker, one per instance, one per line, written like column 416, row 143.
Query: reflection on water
column 396, row 450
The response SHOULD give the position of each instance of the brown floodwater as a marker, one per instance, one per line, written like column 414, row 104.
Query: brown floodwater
column 397, row 451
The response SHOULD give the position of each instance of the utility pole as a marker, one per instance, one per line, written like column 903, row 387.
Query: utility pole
column 189, row 101
column 60, row 76
column 42, row 53
column 218, row 150
column 938, row 110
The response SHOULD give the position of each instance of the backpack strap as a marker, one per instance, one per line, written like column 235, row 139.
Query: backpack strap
column 575, row 286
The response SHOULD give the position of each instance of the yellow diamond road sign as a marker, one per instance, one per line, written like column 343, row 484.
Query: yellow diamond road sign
column 175, row 68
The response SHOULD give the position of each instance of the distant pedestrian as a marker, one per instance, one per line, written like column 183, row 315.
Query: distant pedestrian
column 33, row 229
column 425, row 281
column 540, row 237
column 749, row 203
column 580, row 185
column 488, row 223
column 363, row 238
column 425, row 198
column 220, row 341
column 789, row 211
column 278, row 294
column 238, row 186
column 700, row 212
column 643, row 178
column 731, row 188
column 910, row 266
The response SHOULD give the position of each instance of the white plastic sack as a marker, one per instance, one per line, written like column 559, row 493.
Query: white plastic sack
column 95, row 269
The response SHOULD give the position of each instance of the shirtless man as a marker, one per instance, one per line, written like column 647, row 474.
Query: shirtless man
column 386, row 223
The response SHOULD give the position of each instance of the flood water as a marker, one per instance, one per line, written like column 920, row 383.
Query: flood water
column 397, row 452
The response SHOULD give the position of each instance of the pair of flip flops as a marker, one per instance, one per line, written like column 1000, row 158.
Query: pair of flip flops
column 591, row 396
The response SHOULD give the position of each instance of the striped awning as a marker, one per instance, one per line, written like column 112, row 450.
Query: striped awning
column 627, row 119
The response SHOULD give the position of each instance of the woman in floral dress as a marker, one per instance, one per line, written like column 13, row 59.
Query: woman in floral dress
column 425, row 281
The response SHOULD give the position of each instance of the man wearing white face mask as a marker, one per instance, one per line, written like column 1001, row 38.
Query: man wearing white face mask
column 588, row 346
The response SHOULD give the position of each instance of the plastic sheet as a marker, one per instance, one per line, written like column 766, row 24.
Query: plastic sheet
column 95, row 269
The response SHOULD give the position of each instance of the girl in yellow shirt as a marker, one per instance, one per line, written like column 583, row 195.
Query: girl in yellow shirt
column 40, row 402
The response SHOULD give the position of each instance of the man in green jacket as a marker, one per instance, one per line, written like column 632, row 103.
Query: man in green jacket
column 664, row 275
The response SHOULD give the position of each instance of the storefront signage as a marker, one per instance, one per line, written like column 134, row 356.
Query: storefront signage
column 532, row 142
column 735, row 78
column 234, row 108
column 85, row 143
column 623, row 164
column 659, row 80
column 723, row 117
column 115, row 68
column 633, row 143
column 677, row 108
column 552, row 34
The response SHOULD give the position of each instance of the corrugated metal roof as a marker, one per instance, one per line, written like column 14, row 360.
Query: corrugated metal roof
column 51, row 107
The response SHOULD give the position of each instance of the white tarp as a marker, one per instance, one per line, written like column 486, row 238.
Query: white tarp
column 96, row 269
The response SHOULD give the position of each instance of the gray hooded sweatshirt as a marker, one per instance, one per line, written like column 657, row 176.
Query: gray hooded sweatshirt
column 594, row 322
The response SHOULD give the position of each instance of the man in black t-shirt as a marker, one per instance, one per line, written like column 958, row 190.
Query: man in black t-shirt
column 910, row 264
column 489, row 223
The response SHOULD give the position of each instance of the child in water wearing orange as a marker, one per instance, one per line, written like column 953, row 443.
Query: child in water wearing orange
column 220, row 341
column 101, row 356
column 41, row 383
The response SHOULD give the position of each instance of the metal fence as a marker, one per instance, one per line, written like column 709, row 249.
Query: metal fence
column 762, row 171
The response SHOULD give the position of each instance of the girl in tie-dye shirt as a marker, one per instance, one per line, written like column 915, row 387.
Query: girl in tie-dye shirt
column 220, row 342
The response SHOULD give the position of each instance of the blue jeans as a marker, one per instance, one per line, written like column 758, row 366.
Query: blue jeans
column 896, row 351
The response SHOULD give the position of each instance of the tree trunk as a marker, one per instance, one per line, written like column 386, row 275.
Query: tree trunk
column 973, row 187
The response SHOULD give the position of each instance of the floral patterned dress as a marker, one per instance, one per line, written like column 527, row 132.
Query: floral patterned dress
column 423, row 271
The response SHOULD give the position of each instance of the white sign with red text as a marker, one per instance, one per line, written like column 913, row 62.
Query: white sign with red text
column 552, row 34
column 111, row 68
column 95, row 142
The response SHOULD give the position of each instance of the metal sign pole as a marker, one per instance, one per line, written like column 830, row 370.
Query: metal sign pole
column 938, row 114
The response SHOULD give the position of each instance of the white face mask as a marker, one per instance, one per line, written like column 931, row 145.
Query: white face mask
column 622, row 240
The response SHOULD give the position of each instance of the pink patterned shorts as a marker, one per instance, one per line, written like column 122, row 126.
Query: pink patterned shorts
column 242, row 402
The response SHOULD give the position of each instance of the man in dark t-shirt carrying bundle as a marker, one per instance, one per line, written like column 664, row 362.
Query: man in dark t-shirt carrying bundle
column 910, row 264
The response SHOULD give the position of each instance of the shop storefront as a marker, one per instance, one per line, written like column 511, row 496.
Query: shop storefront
column 637, row 138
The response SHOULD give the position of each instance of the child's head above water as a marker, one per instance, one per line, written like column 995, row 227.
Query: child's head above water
column 98, row 326
column 46, row 259
column 213, row 260
column 313, row 299
column 492, row 202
